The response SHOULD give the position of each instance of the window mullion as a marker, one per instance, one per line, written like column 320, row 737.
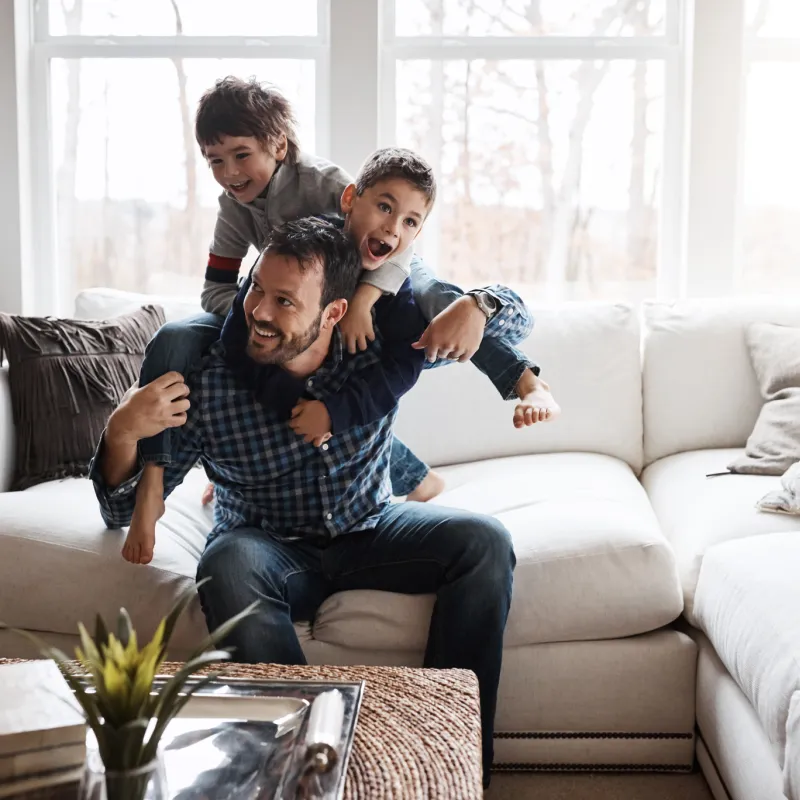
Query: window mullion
column 354, row 80
column 715, row 136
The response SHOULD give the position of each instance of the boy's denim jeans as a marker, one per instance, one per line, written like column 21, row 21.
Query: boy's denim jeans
column 466, row 559
column 179, row 346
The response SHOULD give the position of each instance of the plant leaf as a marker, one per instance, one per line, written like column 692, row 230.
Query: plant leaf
column 220, row 633
column 175, row 684
column 162, row 721
column 100, row 633
column 180, row 606
column 124, row 627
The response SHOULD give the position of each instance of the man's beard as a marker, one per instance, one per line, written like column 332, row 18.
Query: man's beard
column 280, row 350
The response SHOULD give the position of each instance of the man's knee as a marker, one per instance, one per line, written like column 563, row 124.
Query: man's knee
column 228, row 568
column 489, row 544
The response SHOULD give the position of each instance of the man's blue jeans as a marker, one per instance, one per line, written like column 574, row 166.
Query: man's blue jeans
column 466, row 559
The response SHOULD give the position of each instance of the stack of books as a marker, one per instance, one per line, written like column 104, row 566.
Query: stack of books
column 42, row 729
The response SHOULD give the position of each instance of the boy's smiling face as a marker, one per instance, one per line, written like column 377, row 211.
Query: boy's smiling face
column 385, row 219
column 243, row 166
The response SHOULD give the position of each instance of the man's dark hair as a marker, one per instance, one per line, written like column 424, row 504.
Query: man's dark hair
column 398, row 162
column 235, row 107
column 312, row 239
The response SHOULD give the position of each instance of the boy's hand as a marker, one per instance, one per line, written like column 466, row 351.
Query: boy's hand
column 311, row 420
column 356, row 326
column 454, row 333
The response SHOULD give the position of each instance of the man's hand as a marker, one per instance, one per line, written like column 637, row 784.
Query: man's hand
column 151, row 409
column 356, row 325
column 454, row 333
column 311, row 420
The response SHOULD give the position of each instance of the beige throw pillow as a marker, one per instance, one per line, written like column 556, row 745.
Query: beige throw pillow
column 774, row 444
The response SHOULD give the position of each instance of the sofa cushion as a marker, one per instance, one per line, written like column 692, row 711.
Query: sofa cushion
column 104, row 303
column 66, row 376
column 687, row 405
column 748, row 604
column 591, row 560
column 589, row 353
column 774, row 444
column 696, row 512
column 791, row 761
column 59, row 565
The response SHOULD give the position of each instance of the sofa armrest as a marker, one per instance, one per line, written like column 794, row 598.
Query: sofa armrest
column 7, row 432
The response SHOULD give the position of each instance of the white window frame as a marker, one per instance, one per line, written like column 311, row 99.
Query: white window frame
column 356, row 51
column 671, row 48
column 52, row 289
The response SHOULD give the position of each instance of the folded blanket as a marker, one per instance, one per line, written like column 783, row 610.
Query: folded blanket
column 785, row 500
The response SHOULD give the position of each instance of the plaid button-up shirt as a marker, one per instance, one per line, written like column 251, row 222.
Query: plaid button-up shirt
column 265, row 475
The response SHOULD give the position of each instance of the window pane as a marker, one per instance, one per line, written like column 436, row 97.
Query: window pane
column 190, row 17
column 771, row 203
column 549, row 171
column 136, row 202
column 780, row 18
column 529, row 17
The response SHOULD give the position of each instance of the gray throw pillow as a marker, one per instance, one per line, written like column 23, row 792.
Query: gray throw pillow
column 774, row 444
column 66, row 377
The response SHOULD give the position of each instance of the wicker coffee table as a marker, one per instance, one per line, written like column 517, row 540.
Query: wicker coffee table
column 418, row 733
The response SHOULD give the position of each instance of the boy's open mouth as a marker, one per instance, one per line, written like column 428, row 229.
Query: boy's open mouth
column 238, row 187
column 378, row 247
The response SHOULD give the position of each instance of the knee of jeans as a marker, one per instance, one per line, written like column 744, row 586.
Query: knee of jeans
column 491, row 546
column 172, row 346
column 228, row 569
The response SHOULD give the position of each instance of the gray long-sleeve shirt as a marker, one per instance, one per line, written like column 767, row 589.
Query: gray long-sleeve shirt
column 309, row 187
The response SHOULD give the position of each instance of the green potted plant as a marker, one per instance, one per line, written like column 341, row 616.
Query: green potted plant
column 113, row 682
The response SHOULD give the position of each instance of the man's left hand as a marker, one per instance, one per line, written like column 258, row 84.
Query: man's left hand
column 454, row 333
column 311, row 420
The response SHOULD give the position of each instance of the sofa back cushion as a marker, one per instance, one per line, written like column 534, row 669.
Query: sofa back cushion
column 589, row 352
column 699, row 388
column 590, row 355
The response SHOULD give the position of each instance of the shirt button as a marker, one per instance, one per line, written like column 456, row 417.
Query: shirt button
column 325, row 447
column 310, row 382
column 502, row 322
column 509, row 311
column 329, row 516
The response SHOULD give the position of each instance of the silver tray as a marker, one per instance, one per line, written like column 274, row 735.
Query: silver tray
column 242, row 739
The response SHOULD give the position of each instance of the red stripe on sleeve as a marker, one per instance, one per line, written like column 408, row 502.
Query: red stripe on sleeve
column 220, row 262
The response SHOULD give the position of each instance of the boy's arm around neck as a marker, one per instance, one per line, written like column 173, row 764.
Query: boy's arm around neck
column 372, row 393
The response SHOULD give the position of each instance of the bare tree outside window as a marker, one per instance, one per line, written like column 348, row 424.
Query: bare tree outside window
column 550, row 170
column 135, row 210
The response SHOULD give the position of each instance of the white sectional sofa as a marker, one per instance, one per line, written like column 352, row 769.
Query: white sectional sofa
column 618, row 532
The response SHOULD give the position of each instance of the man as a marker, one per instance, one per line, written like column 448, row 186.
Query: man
column 295, row 522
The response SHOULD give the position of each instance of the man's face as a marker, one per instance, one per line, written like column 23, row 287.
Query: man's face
column 244, row 166
column 385, row 219
column 282, row 309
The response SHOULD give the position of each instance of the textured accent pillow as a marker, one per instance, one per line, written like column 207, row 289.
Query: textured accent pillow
column 66, row 377
column 774, row 444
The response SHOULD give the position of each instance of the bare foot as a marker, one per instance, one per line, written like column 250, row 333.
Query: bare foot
column 208, row 494
column 141, row 539
column 537, row 405
column 431, row 486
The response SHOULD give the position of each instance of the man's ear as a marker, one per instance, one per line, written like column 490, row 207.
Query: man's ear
column 281, row 147
column 348, row 196
column 334, row 313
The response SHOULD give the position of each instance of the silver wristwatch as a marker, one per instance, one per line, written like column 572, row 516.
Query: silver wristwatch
column 485, row 301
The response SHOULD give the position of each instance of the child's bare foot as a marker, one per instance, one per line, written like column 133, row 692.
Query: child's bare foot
column 431, row 486
column 208, row 494
column 536, row 403
column 141, row 539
